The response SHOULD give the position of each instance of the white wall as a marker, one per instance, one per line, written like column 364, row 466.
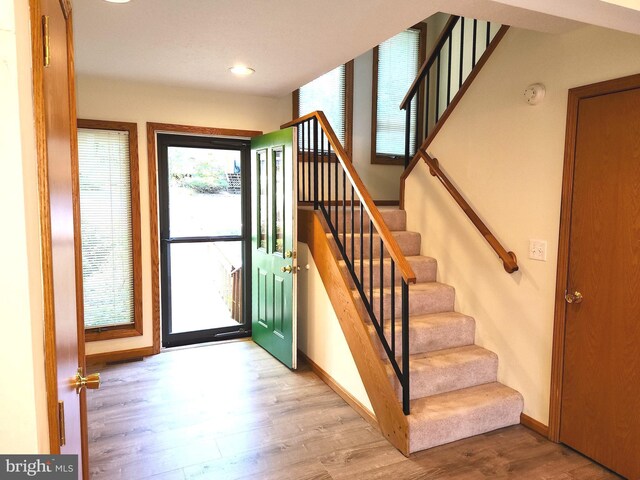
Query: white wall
column 23, row 410
column 320, row 336
column 507, row 158
column 107, row 99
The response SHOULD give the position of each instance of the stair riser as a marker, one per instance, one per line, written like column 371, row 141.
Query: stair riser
column 475, row 420
column 409, row 245
column 428, row 340
column 453, row 377
column 425, row 272
column 420, row 303
column 396, row 220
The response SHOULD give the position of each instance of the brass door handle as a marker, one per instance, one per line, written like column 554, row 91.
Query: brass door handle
column 575, row 297
column 90, row 381
column 286, row 269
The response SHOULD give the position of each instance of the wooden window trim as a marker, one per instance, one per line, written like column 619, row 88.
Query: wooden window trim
column 134, row 329
column 348, row 109
column 382, row 159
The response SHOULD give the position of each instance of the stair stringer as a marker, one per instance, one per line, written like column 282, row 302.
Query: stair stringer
column 391, row 419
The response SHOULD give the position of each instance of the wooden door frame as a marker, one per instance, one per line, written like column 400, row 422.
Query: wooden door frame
column 51, row 375
column 557, row 362
column 153, row 129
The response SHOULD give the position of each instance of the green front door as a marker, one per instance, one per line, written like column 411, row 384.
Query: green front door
column 273, row 239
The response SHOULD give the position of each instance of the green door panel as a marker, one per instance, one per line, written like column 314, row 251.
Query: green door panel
column 273, row 240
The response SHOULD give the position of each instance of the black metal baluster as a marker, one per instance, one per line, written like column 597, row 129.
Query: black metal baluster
column 322, row 164
column 405, row 348
column 381, row 287
column 361, row 246
column 370, row 262
column 461, row 50
column 475, row 40
column 308, row 186
column 329, row 183
column 344, row 210
column 449, row 64
column 437, row 88
column 393, row 308
column 488, row 34
column 353, row 257
column 298, row 141
column 407, row 136
column 427, row 90
column 335, row 169
column 315, row 163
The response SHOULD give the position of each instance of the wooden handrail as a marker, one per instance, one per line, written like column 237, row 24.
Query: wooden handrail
column 509, row 259
column 365, row 198
column 426, row 65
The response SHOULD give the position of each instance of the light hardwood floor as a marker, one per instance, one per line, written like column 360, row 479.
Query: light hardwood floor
column 230, row 411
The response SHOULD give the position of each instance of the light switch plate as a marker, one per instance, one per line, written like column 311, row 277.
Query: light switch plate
column 538, row 250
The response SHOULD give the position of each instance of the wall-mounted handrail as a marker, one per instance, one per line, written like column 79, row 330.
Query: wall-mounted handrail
column 509, row 260
column 328, row 181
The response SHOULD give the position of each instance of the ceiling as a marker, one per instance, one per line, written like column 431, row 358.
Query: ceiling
column 192, row 43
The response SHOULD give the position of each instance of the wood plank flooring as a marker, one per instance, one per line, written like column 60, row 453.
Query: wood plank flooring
column 230, row 411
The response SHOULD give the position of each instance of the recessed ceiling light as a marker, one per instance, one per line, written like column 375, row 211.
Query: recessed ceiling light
column 241, row 70
column 118, row 1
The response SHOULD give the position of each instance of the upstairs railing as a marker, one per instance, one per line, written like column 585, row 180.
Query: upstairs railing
column 458, row 55
column 456, row 58
column 328, row 181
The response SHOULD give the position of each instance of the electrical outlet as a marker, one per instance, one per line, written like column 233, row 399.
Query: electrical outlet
column 538, row 250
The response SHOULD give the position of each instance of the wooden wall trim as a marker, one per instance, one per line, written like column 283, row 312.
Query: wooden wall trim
column 535, row 425
column 119, row 356
column 557, row 360
column 336, row 387
column 153, row 128
column 392, row 421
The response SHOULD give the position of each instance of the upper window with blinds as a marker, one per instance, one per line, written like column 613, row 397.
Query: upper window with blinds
column 110, row 226
column 395, row 65
column 333, row 94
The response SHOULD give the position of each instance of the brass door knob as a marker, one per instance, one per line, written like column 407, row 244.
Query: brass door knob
column 286, row 269
column 90, row 381
column 575, row 297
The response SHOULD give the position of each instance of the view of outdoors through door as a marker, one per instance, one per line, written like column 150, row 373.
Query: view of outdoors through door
column 202, row 236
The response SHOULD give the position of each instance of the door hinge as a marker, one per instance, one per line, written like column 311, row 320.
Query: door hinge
column 61, row 425
column 46, row 44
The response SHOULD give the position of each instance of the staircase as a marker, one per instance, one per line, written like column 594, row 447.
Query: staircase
column 429, row 384
column 454, row 389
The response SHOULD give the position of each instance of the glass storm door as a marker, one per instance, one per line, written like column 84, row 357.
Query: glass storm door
column 204, row 232
column 273, row 243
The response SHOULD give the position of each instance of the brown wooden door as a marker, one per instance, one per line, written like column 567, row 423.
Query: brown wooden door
column 601, row 377
column 55, row 110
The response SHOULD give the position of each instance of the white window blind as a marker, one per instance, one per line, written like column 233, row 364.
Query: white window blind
column 106, row 227
column 398, row 63
column 327, row 93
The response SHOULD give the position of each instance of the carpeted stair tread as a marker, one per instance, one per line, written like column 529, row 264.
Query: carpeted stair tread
column 409, row 243
column 443, row 371
column 451, row 416
column 428, row 297
column 425, row 269
column 431, row 332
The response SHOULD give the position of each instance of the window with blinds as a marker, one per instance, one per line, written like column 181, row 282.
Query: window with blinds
column 107, row 227
column 333, row 94
column 395, row 66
